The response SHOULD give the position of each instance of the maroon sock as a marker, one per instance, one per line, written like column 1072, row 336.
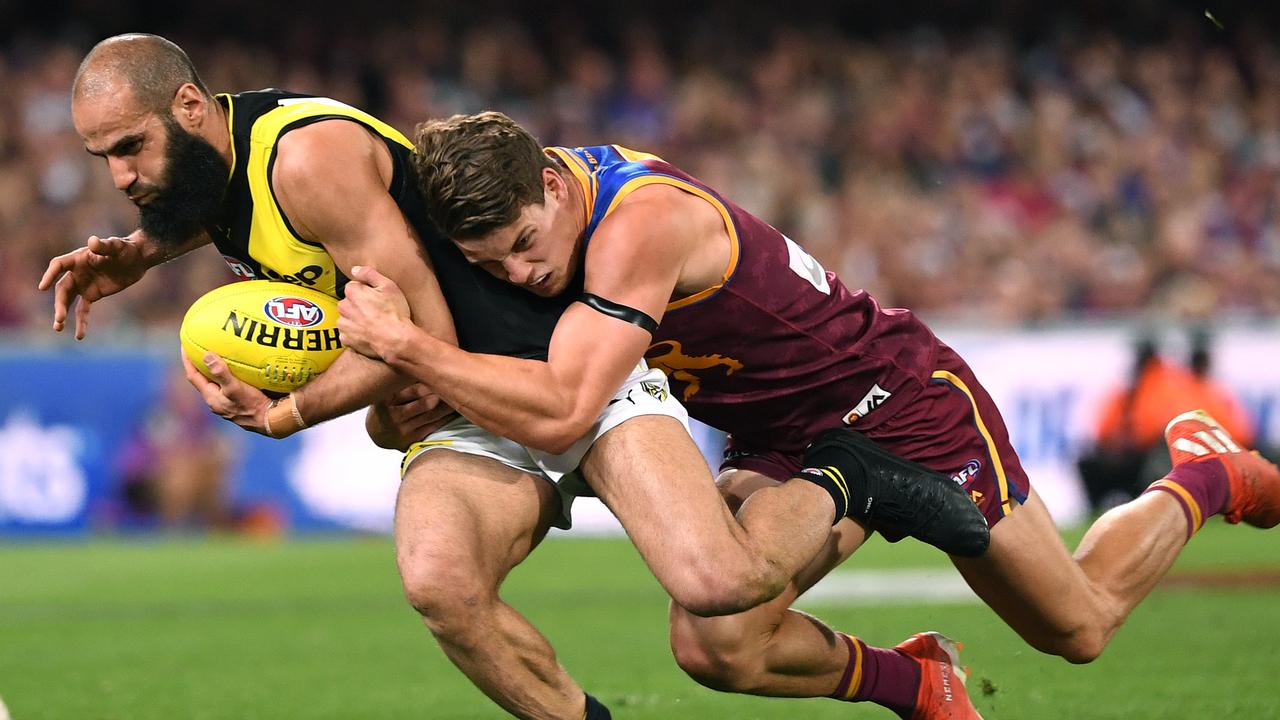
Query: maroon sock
column 1199, row 486
column 883, row 676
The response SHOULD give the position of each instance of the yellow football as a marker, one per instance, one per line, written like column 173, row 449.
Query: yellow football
column 273, row 335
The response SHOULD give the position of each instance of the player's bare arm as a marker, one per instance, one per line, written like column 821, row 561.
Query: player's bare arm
column 331, row 181
column 636, row 260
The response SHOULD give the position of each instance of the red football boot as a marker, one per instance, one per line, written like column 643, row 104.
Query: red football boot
column 942, row 695
column 1253, row 482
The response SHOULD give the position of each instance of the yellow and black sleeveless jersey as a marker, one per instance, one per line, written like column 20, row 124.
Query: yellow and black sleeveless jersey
column 257, row 241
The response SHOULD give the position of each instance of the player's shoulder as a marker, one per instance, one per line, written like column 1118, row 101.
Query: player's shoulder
column 663, row 213
column 651, row 228
column 331, row 140
column 317, row 154
column 650, row 211
column 653, row 205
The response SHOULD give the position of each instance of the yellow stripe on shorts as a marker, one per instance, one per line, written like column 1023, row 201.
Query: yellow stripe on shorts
column 417, row 449
column 996, row 463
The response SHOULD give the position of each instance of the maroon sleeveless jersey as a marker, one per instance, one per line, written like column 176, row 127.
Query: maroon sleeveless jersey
column 779, row 349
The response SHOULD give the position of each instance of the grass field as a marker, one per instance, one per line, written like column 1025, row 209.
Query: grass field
column 228, row 629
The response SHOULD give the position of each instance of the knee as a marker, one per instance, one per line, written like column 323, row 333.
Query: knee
column 1078, row 646
column 707, row 588
column 1083, row 648
column 716, row 663
column 451, row 599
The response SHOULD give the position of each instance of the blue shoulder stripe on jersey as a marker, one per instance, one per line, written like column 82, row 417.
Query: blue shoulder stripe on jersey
column 611, row 171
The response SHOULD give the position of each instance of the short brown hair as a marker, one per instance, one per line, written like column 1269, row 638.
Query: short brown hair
column 477, row 172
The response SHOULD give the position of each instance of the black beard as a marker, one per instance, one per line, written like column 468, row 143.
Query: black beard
column 190, row 191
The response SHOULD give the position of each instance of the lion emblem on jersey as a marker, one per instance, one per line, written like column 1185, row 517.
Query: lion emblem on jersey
column 668, row 356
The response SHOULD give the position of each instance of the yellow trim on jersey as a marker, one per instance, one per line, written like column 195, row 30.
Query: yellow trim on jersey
column 272, row 242
column 580, row 170
column 231, row 123
column 996, row 463
column 638, row 182
column 1197, row 518
column 634, row 155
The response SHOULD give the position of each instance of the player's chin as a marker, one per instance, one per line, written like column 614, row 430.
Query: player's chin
column 549, row 288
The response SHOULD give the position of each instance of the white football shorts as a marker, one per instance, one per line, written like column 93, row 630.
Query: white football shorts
column 645, row 392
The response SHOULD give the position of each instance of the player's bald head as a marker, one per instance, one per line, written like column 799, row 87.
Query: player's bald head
column 152, row 67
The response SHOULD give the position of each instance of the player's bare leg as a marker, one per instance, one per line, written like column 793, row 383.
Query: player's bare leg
column 462, row 523
column 777, row 651
column 770, row 649
column 652, row 476
column 1072, row 606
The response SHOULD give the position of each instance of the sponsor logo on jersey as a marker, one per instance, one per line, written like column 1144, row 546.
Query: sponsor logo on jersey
column 591, row 159
column 274, row 336
column 668, row 356
column 293, row 312
column 238, row 268
column 874, row 398
column 967, row 473
column 307, row 275
column 804, row 265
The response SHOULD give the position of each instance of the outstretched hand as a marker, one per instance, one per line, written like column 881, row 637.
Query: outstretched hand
column 373, row 315
column 227, row 395
column 103, row 267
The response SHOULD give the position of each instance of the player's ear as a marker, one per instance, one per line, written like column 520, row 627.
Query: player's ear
column 189, row 106
column 553, row 184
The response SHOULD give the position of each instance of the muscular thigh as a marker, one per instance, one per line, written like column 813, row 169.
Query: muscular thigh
column 649, row 472
column 470, row 511
column 1028, row 577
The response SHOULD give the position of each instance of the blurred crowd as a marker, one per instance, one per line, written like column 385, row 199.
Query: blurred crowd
column 969, row 174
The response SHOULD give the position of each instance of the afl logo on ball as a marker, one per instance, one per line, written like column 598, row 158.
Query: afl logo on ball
column 293, row 312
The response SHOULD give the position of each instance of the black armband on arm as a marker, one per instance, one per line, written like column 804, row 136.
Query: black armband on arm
column 622, row 312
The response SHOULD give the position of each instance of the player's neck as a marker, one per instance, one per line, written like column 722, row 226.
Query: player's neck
column 578, row 199
column 219, row 132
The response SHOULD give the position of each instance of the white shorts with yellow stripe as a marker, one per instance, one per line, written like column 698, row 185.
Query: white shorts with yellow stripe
column 645, row 392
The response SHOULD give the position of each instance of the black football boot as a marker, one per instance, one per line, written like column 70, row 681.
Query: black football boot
column 900, row 498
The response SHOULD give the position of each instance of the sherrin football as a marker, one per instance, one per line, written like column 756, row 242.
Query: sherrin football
column 273, row 335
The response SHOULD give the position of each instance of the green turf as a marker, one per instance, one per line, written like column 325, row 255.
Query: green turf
column 317, row 629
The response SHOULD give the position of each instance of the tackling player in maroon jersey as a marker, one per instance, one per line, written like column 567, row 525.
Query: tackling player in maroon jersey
column 762, row 343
